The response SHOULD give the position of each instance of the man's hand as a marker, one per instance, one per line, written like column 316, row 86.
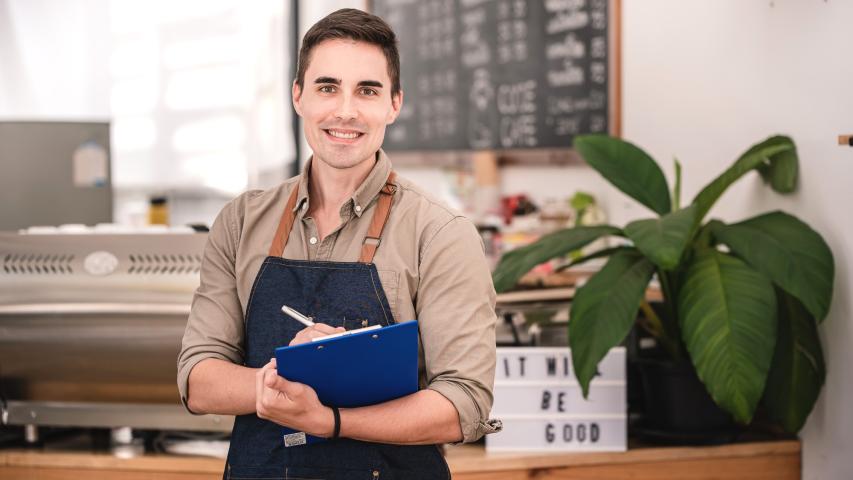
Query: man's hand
column 291, row 404
column 319, row 330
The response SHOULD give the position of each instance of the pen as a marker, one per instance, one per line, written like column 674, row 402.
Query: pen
column 297, row 316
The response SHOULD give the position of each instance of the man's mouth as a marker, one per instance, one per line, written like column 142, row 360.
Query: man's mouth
column 343, row 134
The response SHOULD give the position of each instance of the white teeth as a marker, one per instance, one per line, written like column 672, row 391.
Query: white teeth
column 338, row 134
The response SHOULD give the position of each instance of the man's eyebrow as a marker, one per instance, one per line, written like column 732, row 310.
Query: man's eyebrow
column 333, row 81
column 370, row 83
column 337, row 81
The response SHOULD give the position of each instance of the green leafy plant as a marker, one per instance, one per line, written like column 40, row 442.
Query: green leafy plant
column 742, row 301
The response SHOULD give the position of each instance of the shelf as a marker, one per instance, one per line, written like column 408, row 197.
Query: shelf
column 778, row 460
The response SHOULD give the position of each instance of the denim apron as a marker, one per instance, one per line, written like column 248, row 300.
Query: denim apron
column 340, row 294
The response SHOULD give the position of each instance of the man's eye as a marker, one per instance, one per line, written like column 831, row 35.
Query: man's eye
column 369, row 92
column 327, row 89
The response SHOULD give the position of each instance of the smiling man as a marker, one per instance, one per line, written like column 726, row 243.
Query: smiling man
column 346, row 220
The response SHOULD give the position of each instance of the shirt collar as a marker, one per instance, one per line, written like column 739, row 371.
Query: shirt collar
column 363, row 195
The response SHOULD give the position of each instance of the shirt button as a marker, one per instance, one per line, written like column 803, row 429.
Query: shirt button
column 358, row 208
column 305, row 206
column 312, row 240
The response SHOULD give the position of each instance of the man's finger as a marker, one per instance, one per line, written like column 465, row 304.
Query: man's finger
column 271, row 379
column 274, row 381
column 291, row 389
column 271, row 398
column 261, row 375
column 324, row 329
column 259, row 388
column 301, row 337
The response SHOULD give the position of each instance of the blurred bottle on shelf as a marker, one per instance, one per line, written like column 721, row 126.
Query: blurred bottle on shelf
column 158, row 211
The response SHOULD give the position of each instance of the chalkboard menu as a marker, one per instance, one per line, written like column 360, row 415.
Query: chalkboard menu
column 499, row 74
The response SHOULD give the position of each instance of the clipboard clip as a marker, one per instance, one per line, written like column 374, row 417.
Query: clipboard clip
column 348, row 332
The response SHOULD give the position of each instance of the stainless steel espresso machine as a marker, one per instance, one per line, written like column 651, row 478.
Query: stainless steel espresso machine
column 90, row 328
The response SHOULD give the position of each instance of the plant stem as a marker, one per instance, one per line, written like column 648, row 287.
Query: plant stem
column 669, row 323
column 652, row 322
column 676, row 191
column 654, row 326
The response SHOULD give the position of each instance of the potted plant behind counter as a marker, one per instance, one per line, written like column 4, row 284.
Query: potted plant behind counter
column 741, row 302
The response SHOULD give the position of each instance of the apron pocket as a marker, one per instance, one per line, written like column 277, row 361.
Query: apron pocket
column 325, row 473
column 250, row 472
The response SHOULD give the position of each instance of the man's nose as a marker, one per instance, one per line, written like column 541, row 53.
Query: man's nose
column 346, row 108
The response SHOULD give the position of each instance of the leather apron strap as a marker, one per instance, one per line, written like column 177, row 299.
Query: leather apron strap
column 285, row 224
column 374, row 232
column 380, row 217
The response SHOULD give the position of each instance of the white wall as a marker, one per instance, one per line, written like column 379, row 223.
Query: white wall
column 703, row 79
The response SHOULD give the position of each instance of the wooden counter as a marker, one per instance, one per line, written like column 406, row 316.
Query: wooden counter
column 779, row 460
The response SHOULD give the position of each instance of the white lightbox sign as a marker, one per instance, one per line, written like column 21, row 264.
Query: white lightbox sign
column 540, row 402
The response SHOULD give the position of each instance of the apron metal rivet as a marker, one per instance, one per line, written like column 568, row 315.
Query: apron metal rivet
column 375, row 336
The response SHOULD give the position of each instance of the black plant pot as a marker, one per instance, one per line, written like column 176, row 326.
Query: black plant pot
column 678, row 408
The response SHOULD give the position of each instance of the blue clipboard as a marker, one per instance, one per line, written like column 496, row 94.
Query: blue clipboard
column 355, row 370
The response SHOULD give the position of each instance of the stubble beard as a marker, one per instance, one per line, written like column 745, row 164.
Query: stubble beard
column 343, row 160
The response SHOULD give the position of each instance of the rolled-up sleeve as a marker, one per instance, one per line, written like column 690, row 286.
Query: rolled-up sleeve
column 456, row 316
column 215, row 324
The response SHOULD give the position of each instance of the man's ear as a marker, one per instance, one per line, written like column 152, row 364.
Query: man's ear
column 396, row 105
column 296, row 96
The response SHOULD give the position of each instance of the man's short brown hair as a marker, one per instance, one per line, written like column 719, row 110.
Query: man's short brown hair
column 349, row 23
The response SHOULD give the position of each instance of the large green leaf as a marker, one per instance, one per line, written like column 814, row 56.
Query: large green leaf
column 798, row 372
column 663, row 239
column 727, row 313
column 782, row 173
column 604, row 252
column 765, row 155
column 604, row 309
column 628, row 168
column 516, row 263
column 788, row 252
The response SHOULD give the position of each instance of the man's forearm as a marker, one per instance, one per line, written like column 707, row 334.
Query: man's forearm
column 424, row 417
column 221, row 387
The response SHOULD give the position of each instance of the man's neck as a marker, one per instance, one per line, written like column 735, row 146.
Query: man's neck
column 330, row 187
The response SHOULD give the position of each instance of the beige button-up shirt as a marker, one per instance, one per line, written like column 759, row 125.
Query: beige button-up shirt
column 430, row 262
